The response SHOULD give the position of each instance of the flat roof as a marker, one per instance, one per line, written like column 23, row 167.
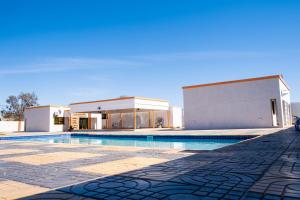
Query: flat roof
column 237, row 81
column 47, row 106
column 118, row 99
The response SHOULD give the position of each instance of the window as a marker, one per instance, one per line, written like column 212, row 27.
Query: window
column 59, row 120
column 104, row 116
column 273, row 104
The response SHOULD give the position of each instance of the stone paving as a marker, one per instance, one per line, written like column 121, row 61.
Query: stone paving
column 164, row 132
column 267, row 167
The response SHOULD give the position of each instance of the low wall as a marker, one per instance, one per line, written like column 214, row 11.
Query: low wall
column 10, row 126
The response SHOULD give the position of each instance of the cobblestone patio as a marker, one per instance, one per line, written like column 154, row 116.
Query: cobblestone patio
column 267, row 167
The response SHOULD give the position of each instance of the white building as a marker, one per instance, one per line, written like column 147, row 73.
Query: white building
column 118, row 113
column 262, row 102
column 48, row 118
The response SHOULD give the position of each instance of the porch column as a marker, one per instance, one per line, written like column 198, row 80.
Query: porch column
column 168, row 116
column 149, row 115
column 107, row 120
column 89, row 121
column 121, row 120
column 70, row 121
column 153, row 119
column 134, row 119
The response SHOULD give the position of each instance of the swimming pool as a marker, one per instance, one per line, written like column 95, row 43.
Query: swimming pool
column 157, row 142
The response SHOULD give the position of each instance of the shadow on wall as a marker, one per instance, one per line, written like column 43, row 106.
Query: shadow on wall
column 231, row 172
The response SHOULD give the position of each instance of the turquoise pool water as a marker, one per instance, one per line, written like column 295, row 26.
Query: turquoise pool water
column 172, row 142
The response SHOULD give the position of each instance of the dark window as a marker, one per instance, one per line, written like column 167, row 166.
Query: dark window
column 83, row 123
column 59, row 120
column 273, row 106
column 104, row 116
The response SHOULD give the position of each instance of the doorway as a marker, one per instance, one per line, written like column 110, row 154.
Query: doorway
column 83, row 123
column 274, row 112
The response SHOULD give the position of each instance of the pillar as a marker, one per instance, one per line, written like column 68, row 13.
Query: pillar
column 107, row 120
column 153, row 119
column 121, row 120
column 134, row 119
column 89, row 121
column 149, row 116
column 168, row 116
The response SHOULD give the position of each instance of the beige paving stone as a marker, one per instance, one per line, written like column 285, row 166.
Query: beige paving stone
column 15, row 151
column 120, row 166
column 178, row 152
column 66, row 145
column 120, row 148
column 48, row 158
column 14, row 190
column 5, row 142
column 28, row 144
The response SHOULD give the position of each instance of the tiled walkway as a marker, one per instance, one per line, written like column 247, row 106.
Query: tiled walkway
column 164, row 132
column 267, row 167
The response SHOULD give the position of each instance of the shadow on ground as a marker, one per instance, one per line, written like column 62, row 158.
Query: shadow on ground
column 267, row 167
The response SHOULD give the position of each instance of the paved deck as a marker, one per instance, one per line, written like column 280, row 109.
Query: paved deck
column 267, row 167
column 165, row 132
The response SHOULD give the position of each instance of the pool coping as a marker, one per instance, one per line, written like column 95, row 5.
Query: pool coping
column 238, row 137
column 242, row 138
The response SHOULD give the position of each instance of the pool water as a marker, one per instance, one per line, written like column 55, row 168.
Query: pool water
column 157, row 142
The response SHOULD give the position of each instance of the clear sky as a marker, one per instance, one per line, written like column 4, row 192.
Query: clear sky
column 69, row 51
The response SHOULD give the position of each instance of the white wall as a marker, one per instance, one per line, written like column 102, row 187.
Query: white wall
column 97, row 125
column 235, row 105
column 176, row 117
column 10, row 126
column 151, row 104
column 106, row 105
column 37, row 119
column 41, row 119
column 120, row 104
column 285, row 106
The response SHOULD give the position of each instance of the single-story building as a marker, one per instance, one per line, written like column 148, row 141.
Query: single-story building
column 262, row 102
column 118, row 113
column 50, row 118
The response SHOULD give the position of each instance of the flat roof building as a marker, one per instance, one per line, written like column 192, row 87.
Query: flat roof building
column 117, row 113
column 262, row 102
column 132, row 112
column 49, row 118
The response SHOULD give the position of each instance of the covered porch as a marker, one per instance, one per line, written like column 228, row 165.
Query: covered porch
column 121, row 113
column 135, row 119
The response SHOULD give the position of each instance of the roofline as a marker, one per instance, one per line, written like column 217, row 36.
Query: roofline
column 237, row 81
column 118, row 99
column 284, row 82
column 46, row 106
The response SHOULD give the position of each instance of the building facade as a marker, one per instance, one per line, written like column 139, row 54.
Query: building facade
column 131, row 113
column 118, row 113
column 50, row 118
column 262, row 102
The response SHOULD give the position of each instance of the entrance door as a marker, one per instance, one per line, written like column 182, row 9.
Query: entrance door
column 274, row 112
column 83, row 123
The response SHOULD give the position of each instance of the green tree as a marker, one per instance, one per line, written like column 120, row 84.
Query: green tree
column 16, row 105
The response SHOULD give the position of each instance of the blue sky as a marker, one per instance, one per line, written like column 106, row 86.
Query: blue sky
column 69, row 51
